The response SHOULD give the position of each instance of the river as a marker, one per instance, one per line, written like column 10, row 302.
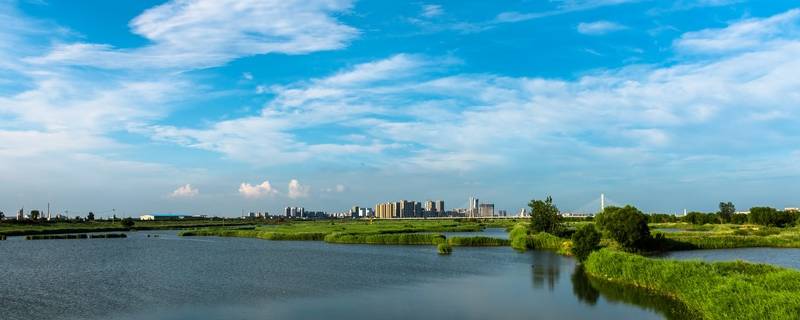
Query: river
column 169, row 277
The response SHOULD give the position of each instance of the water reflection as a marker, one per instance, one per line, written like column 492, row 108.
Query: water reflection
column 582, row 287
column 546, row 268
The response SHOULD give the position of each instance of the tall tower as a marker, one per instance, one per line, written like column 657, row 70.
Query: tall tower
column 48, row 211
column 602, row 202
column 473, row 207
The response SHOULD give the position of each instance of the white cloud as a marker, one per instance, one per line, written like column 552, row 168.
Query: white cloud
column 185, row 191
column 247, row 76
column 411, row 117
column 257, row 191
column 746, row 35
column 189, row 34
column 431, row 10
column 599, row 27
column 297, row 190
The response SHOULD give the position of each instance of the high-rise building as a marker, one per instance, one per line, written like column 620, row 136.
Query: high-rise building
column 440, row 208
column 430, row 206
column 288, row 212
column 486, row 210
column 472, row 210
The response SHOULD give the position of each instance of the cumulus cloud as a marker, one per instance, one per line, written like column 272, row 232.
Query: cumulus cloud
column 297, row 190
column 257, row 191
column 599, row 27
column 185, row 191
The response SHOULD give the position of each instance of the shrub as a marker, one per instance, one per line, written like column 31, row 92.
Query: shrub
column 584, row 241
column 519, row 237
column 444, row 248
column 127, row 222
column 627, row 226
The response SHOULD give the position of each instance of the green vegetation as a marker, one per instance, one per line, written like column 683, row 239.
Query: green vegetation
column 444, row 248
column 584, row 241
column 127, row 222
column 477, row 241
column 723, row 290
column 626, row 225
column 545, row 217
column 57, row 236
column 252, row 233
column 771, row 217
column 108, row 236
column 391, row 238
column 60, row 227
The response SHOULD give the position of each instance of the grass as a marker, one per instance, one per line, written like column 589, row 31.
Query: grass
column 722, row 290
column 727, row 236
column 477, row 241
column 390, row 238
column 252, row 233
column 444, row 248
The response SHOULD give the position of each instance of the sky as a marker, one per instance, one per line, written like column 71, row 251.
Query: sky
column 218, row 107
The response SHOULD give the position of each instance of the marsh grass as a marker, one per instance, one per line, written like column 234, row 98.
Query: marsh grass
column 444, row 248
column 477, row 241
column 108, row 236
column 56, row 236
column 386, row 239
column 722, row 290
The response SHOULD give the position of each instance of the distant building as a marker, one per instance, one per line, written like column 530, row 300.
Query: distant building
column 502, row 213
column 486, row 210
column 791, row 209
column 161, row 216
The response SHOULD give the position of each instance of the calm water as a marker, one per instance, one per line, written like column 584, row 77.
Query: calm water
column 789, row 258
column 232, row 278
column 488, row 232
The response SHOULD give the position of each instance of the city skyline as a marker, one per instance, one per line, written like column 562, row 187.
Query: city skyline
column 206, row 107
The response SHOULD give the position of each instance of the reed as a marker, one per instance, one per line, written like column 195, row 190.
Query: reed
column 444, row 248
column 56, row 236
column 108, row 236
column 722, row 290
column 387, row 239
column 477, row 241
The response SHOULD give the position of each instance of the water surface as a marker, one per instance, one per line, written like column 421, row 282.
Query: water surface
column 170, row 277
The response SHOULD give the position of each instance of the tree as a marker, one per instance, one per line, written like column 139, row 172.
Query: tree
column 584, row 241
column 127, row 222
column 627, row 225
column 35, row 214
column 2, row 215
column 90, row 217
column 726, row 211
column 544, row 216
column 764, row 216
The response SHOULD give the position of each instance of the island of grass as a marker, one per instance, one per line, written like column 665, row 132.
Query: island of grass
column 387, row 232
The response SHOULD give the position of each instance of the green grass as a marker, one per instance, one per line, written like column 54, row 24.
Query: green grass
column 444, row 248
column 722, row 290
column 477, row 241
column 390, row 238
column 248, row 233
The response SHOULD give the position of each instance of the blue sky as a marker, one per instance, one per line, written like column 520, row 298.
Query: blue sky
column 221, row 106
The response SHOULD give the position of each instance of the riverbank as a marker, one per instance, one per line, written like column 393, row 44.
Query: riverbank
column 14, row 229
column 721, row 290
